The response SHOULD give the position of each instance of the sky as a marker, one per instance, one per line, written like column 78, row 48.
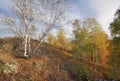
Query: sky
column 102, row 10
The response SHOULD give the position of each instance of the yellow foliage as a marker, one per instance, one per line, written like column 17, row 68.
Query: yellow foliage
column 64, row 43
column 60, row 41
column 51, row 39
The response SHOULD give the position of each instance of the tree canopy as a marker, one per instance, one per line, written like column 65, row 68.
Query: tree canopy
column 114, row 57
column 90, row 39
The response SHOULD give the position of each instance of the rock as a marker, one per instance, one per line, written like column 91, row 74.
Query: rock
column 11, row 67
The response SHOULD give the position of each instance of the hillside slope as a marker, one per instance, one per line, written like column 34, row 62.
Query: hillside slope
column 48, row 64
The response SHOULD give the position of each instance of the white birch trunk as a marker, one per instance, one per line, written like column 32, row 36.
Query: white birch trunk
column 29, row 47
column 26, row 45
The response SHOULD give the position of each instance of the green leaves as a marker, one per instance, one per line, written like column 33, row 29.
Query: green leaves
column 115, row 25
column 89, row 37
column 114, row 57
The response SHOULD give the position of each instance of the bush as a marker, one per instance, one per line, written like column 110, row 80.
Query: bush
column 83, row 72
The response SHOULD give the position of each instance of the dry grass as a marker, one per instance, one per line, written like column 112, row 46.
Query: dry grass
column 5, row 57
column 28, row 71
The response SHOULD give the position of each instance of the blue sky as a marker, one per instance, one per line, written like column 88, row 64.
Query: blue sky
column 102, row 10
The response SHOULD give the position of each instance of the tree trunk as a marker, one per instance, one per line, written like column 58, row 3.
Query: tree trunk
column 29, row 47
column 26, row 46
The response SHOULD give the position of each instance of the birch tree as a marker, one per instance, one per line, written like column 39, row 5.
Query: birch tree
column 29, row 15
column 89, row 38
column 96, row 39
column 89, row 41
column 22, row 21
column 51, row 15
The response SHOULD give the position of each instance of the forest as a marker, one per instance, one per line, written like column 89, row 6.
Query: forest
column 40, row 48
